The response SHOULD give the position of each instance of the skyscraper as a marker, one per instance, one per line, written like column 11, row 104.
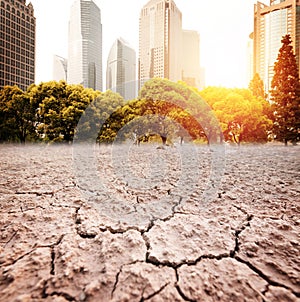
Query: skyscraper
column 60, row 67
column 191, row 71
column 250, row 74
column 85, row 45
column 160, row 34
column 17, row 43
column 271, row 22
column 121, row 69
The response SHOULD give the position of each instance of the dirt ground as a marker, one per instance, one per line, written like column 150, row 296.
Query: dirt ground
column 145, row 224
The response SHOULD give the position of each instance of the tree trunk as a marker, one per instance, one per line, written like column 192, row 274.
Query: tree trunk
column 164, row 139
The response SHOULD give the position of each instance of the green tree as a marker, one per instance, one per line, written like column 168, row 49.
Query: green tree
column 241, row 115
column 256, row 85
column 17, row 115
column 181, row 104
column 60, row 107
column 286, row 94
column 101, row 120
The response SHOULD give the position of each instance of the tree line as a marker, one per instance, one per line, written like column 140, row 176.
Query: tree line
column 164, row 111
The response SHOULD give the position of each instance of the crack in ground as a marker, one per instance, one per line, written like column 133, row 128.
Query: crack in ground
column 155, row 293
column 237, row 234
column 240, row 209
column 119, row 272
column 51, row 246
column 179, row 290
column 234, row 255
column 187, row 262
column 175, row 266
column 45, row 295
column 10, row 239
column 265, row 277
column 261, row 294
column 52, row 271
column 37, row 193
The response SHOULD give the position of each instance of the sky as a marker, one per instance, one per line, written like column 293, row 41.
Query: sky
column 223, row 26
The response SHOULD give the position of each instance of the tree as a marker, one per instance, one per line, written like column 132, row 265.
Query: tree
column 60, row 106
column 101, row 120
column 177, row 103
column 256, row 85
column 241, row 115
column 17, row 115
column 286, row 94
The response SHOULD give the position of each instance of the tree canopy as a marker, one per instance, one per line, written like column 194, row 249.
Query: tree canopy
column 17, row 115
column 241, row 115
column 256, row 86
column 164, row 110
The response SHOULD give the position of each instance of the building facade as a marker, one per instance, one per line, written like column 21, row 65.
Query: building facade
column 271, row 23
column 160, row 41
column 191, row 71
column 85, row 45
column 250, row 61
column 60, row 68
column 121, row 70
column 17, row 43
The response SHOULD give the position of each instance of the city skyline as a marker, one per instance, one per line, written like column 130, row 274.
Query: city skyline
column 224, row 29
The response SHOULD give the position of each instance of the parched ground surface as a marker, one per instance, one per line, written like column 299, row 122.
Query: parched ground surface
column 136, row 224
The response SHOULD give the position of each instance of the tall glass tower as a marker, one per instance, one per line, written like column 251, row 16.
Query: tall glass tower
column 121, row 69
column 160, row 41
column 85, row 45
column 271, row 22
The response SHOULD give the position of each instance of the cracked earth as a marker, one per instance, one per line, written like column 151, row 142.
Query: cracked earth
column 149, row 236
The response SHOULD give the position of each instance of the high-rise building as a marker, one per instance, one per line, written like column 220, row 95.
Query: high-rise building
column 17, row 43
column 160, row 45
column 60, row 67
column 85, row 45
column 121, row 69
column 271, row 23
column 191, row 71
column 250, row 74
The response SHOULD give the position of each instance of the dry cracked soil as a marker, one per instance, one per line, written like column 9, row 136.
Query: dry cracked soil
column 119, row 223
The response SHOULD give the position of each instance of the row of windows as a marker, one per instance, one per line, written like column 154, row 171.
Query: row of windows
column 17, row 30
column 16, row 53
column 26, row 42
column 17, row 4
column 18, row 39
column 23, row 83
column 17, row 45
column 26, row 64
column 16, row 65
column 11, row 24
column 10, row 75
column 17, row 18
column 20, row 26
column 16, row 60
